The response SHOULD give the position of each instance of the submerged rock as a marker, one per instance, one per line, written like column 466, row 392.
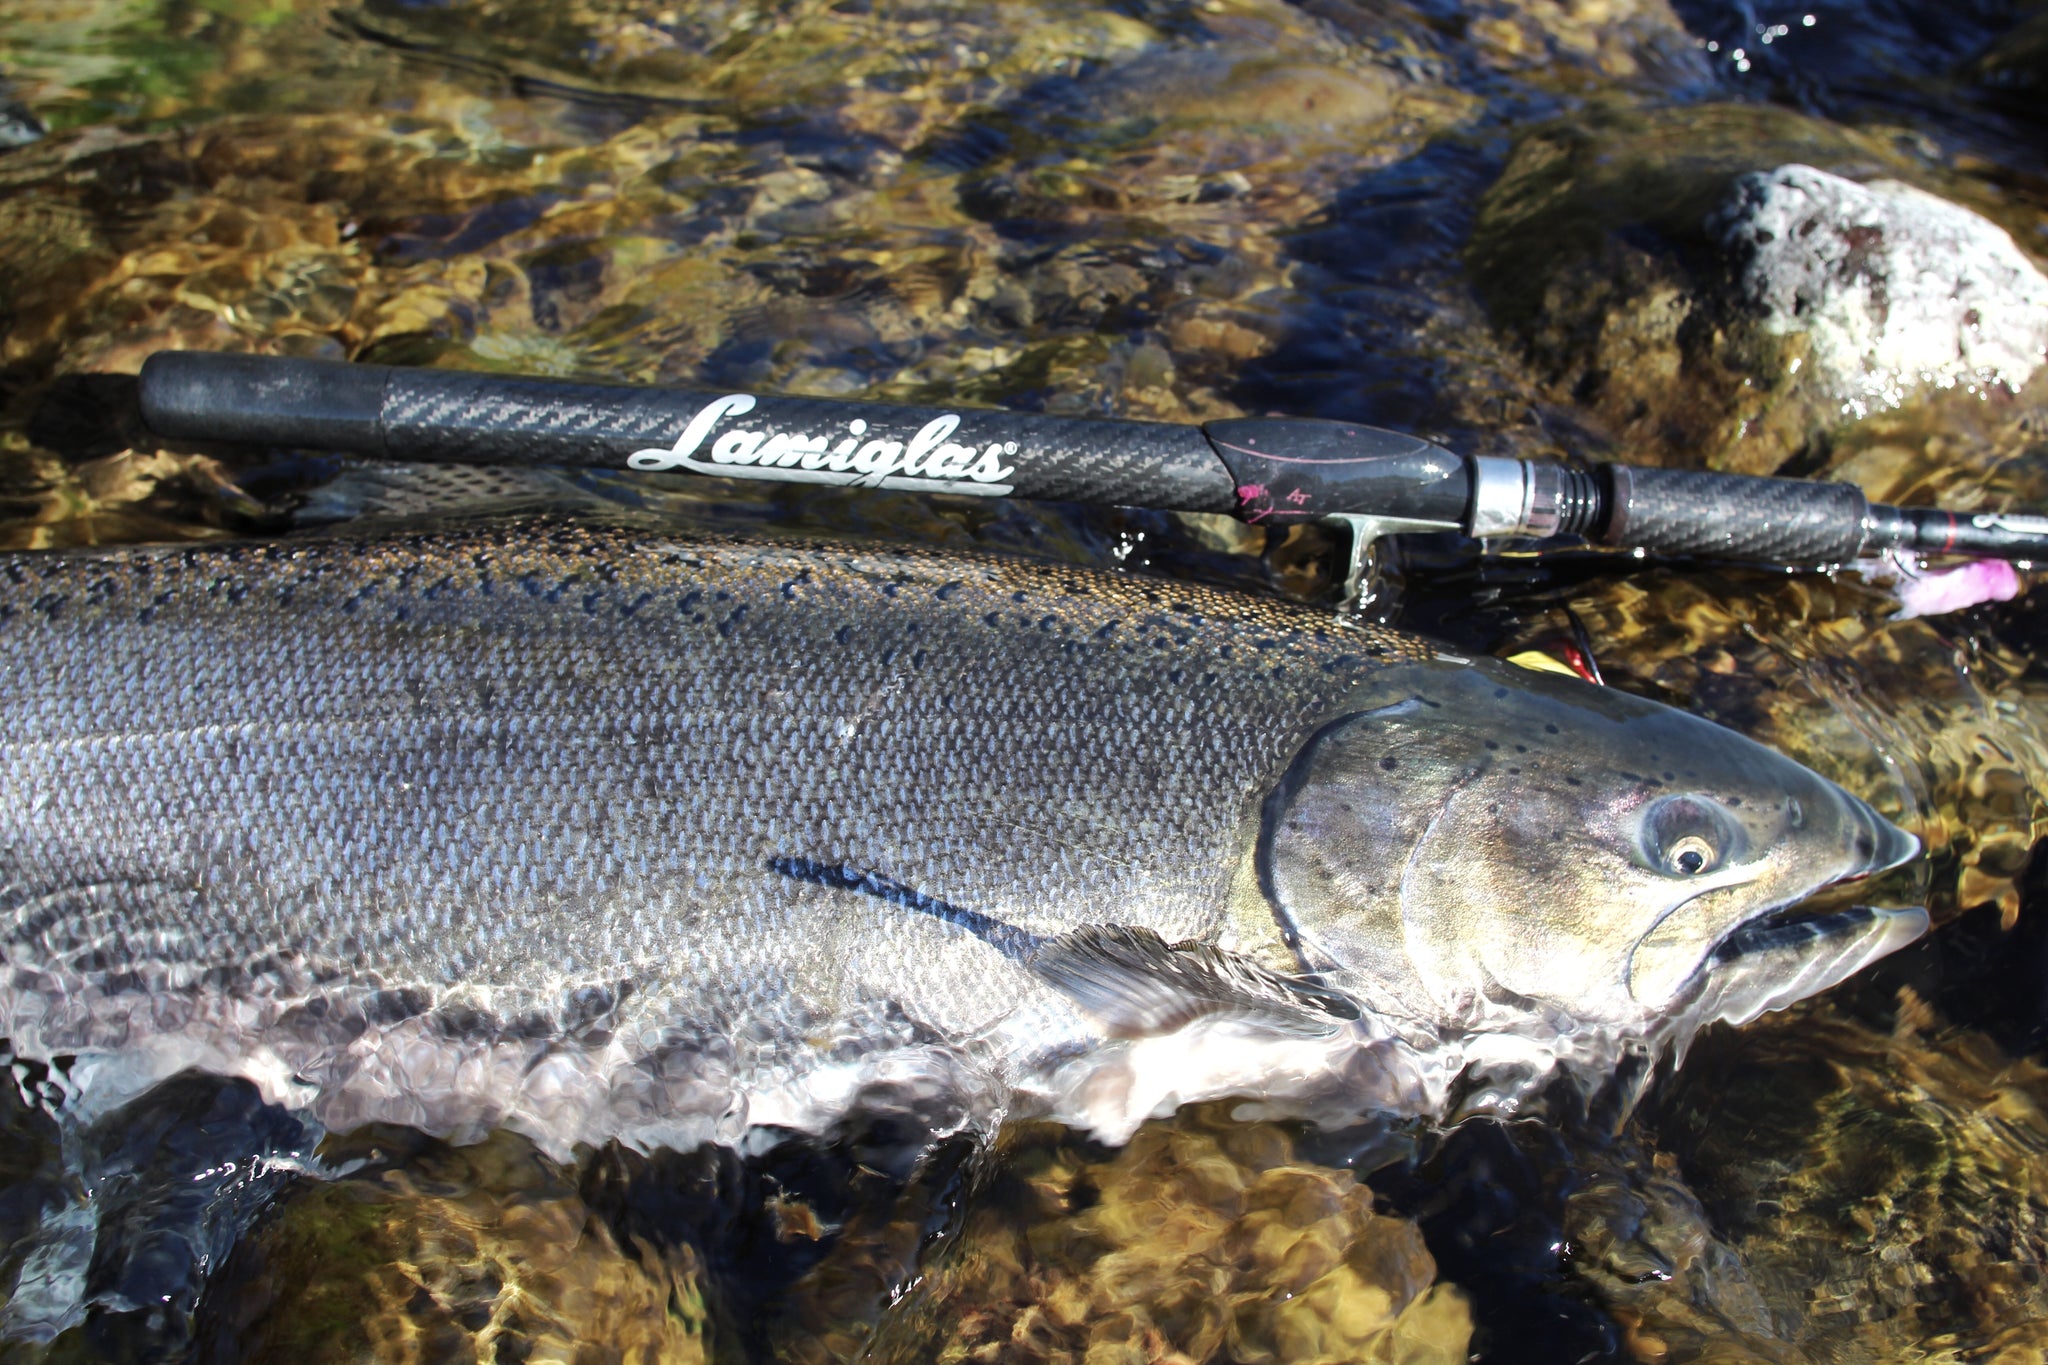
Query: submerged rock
column 1831, row 1191
column 2014, row 69
column 484, row 1253
column 1204, row 1239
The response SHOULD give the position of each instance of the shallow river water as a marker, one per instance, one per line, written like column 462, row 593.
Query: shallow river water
column 1492, row 223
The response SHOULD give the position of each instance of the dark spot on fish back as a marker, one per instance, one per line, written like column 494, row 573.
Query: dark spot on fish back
column 458, row 1021
column 1389, row 763
column 388, row 1007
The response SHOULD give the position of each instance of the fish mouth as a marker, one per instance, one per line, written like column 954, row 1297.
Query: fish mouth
column 1784, row 956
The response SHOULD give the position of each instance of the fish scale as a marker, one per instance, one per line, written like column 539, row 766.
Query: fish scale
column 503, row 763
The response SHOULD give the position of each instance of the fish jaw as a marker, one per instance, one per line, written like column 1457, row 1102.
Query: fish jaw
column 1767, row 965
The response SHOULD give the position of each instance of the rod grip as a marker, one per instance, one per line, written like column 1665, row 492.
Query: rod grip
column 1735, row 516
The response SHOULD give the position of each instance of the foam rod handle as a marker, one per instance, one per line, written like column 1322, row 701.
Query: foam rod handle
column 1733, row 516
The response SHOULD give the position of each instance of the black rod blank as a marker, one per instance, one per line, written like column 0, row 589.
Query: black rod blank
column 1262, row 469
column 454, row 416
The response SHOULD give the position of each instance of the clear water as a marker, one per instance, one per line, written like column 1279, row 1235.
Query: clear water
column 1476, row 221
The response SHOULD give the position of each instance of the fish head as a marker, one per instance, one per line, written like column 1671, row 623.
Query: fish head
column 1473, row 844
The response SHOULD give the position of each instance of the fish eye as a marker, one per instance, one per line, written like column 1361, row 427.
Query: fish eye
column 1689, row 857
column 1688, row 836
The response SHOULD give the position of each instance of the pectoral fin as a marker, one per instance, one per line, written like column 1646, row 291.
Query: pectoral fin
column 1140, row 985
column 1132, row 980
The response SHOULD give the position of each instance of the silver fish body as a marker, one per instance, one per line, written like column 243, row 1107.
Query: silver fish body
column 603, row 830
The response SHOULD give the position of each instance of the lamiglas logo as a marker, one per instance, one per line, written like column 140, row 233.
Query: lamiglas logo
column 929, row 461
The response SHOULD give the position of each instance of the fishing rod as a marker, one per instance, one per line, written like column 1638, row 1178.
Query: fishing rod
column 1263, row 470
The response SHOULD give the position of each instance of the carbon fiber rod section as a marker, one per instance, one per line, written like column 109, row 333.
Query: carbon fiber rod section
column 1735, row 516
column 456, row 416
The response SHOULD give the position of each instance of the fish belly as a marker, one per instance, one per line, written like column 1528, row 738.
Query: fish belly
column 603, row 830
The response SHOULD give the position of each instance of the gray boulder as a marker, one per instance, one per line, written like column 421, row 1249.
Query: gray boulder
column 1895, row 289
